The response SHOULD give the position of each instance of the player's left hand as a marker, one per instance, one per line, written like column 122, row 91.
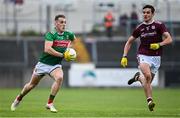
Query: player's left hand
column 124, row 61
column 67, row 55
column 154, row 46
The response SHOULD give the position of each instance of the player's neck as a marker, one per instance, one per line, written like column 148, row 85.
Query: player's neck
column 59, row 31
column 149, row 21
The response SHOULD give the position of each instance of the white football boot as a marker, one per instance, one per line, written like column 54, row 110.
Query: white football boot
column 15, row 104
column 51, row 108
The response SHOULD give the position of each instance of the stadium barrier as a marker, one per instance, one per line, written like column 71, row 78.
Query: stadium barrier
column 18, row 58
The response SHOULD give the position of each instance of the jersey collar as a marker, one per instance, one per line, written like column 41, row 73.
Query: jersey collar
column 148, row 23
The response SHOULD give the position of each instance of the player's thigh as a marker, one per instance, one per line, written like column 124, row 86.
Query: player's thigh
column 145, row 68
column 35, row 79
column 57, row 73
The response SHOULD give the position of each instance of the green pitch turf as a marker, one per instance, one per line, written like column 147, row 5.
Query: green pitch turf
column 92, row 102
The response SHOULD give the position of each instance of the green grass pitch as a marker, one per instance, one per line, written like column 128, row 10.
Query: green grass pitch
column 92, row 102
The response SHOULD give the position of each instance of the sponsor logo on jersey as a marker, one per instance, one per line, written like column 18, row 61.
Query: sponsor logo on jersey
column 62, row 43
column 148, row 34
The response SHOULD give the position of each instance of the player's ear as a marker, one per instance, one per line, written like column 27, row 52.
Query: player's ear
column 153, row 14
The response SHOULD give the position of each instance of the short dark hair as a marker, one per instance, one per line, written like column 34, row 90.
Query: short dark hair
column 59, row 16
column 150, row 7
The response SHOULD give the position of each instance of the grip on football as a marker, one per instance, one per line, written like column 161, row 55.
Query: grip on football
column 70, row 54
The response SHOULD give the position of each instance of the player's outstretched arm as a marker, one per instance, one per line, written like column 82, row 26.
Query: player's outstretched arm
column 124, row 60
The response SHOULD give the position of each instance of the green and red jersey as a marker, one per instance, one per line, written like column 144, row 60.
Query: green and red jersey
column 60, row 43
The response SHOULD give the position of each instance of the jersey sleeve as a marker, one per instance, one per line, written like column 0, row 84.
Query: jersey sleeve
column 49, row 36
column 72, row 36
column 163, row 28
column 136, row 33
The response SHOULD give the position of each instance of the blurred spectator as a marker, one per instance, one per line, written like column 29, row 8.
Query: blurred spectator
column 134, row 17
column 108, row 23
column 123, row 20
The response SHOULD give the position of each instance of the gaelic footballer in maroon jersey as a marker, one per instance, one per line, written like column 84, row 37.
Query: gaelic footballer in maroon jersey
column 149, row 33
column 153, row 36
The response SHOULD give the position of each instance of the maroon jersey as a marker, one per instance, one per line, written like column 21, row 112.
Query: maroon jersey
column 148, row 34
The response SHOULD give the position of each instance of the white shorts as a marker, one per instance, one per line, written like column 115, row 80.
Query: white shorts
column 153, row 61
column 42, row 69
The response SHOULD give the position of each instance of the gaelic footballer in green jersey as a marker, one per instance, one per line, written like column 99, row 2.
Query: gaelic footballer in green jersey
column 49, row 63
column 60, row 43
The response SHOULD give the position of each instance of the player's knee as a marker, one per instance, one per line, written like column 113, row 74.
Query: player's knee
column 59, row 79
column 148, row 77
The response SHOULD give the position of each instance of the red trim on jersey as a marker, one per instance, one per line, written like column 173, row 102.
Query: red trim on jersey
column 62, row 43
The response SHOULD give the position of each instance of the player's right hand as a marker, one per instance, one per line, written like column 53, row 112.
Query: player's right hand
column 124, row 61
